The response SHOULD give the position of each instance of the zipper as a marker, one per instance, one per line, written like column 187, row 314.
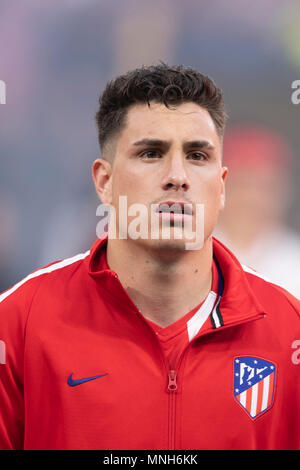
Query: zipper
column 172, row 387
column 173, row 390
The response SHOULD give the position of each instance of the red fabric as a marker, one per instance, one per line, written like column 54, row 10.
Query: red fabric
column 77, row 319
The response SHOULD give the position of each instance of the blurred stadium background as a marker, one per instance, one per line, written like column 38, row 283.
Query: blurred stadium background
column 55, row 58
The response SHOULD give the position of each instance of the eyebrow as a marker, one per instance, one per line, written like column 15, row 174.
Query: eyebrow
column 200, row 144
column 152, row 142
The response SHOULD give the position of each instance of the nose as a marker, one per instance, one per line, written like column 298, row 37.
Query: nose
column 175, row 174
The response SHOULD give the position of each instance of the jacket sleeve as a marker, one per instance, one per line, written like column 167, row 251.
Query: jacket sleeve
column 14, row 308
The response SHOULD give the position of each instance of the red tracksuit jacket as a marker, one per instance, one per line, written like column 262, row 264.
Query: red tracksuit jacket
column 82, row 369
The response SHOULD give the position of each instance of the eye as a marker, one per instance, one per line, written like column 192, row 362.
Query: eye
column 198, row 156
column 150, row 154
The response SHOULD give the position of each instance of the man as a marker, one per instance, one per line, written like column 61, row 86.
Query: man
column 152, row 342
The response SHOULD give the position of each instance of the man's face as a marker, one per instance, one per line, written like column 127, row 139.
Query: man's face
column 167, row 154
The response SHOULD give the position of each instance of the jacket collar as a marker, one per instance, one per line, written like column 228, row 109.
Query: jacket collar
column 238, row 301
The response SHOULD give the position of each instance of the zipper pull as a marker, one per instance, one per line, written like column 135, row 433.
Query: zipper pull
column 172, row 386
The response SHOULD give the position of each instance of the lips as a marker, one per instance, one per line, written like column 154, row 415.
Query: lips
column 175, row 207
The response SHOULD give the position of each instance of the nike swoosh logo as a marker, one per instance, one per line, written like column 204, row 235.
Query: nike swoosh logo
column 73, row 382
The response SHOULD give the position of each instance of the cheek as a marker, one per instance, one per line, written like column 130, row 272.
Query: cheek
column 211, row 197
column 127, row 183
column 121, row 181
column 210, row 188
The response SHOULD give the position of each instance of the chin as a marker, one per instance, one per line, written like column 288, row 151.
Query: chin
column 171, row 244
column 168, row 245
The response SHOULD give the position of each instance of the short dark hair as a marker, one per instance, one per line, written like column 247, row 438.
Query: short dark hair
column 162, row 84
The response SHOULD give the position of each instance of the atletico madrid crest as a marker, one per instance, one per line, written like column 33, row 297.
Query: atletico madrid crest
column 254, row 381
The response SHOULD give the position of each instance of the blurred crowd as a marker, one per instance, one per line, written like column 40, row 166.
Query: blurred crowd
column 259, row 191
column 55, row 58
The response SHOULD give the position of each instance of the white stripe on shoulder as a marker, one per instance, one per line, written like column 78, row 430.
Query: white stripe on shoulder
column 251, row 271
column 48, row 269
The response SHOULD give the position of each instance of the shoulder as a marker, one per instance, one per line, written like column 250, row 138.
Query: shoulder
column 19, row 297
column 262, row 291
column 271, row 295
column 40, row 288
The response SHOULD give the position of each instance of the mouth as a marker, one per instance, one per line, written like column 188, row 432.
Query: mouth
column 174, row 210
column 178, row 208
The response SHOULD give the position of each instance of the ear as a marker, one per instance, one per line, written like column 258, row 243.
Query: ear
column 223, row 178
column 102, row 177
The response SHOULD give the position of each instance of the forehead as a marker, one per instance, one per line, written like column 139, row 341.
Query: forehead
column 186, row 121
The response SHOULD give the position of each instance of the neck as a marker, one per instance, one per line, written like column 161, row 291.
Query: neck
column 165, row 284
